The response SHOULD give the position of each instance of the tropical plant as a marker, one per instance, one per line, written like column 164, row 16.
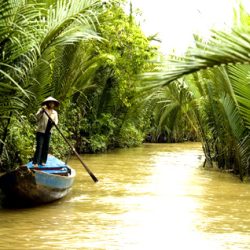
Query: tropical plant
column 109, row 106
column 171, row 114
column 223, row 116
column 29, row 38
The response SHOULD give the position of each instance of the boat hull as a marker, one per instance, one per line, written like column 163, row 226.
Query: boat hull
column 29, row 186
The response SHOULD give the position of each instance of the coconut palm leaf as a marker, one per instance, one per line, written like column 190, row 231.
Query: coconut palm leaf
column 28, row 30
column 59, row 71
column 234, row 117
column 170, row 111
column 222, row 49
column 238, row 130
column 17, row 39
column 65, row 71
column 244, row 148
column 222, row 64
column 239, row 76
column 69, row 22
column 27, row 33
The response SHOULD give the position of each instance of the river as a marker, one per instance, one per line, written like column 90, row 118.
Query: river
column 152, row 197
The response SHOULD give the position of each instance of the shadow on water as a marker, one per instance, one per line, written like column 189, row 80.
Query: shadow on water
column 8, row 202
column 13, row 204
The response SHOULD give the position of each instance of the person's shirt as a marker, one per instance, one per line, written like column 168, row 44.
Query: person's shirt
column 42, row 120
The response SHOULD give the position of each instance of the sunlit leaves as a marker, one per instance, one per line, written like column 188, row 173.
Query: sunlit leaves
column 70, row 21
column 29, row 32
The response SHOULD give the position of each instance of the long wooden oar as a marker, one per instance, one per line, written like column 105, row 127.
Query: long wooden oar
column 78, row 156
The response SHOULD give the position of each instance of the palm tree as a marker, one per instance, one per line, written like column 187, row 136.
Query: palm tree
column 29, row 38
column 221, row 72
column 171, row 115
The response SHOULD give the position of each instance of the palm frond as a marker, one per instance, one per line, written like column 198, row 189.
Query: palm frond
column 67, row 27
column 222, row 49
column 239, row 76
column 244, row 148
column 233, row 116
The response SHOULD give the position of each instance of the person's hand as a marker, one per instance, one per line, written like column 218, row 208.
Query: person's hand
column 44, row 107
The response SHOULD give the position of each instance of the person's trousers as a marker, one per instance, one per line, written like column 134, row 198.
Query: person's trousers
column 42, row 148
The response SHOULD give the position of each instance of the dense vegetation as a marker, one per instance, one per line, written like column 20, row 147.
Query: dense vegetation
column 213, row 81
column 93, row 57
column 86, row 54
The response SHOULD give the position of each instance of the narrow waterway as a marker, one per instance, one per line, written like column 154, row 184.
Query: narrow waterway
column 153, row 197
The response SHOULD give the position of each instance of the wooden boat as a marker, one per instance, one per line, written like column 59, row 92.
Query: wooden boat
column 44, row 184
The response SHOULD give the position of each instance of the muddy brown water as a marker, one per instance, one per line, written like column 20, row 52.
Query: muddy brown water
column 153, row 197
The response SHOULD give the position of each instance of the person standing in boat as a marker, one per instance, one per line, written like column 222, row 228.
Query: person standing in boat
column 43, row 132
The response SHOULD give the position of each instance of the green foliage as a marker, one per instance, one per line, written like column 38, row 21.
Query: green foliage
column 18, row 148
column 171, row 114
column 111, row 101
column 218, row 103
column 98, row 143
column 130, row 136
column 58, row 146
column 22, row 135
column 131, row 50
column 29, row 38
column 21, row 143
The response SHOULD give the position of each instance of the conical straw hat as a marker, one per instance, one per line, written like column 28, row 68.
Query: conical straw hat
column 51, row 99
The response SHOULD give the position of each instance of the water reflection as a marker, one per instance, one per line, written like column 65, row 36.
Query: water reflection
column 152, row 197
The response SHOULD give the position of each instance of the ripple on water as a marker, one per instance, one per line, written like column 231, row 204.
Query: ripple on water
column 152, row 197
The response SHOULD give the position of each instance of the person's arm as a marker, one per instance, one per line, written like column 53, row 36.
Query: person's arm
column 40, row 112
column 56, row 118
